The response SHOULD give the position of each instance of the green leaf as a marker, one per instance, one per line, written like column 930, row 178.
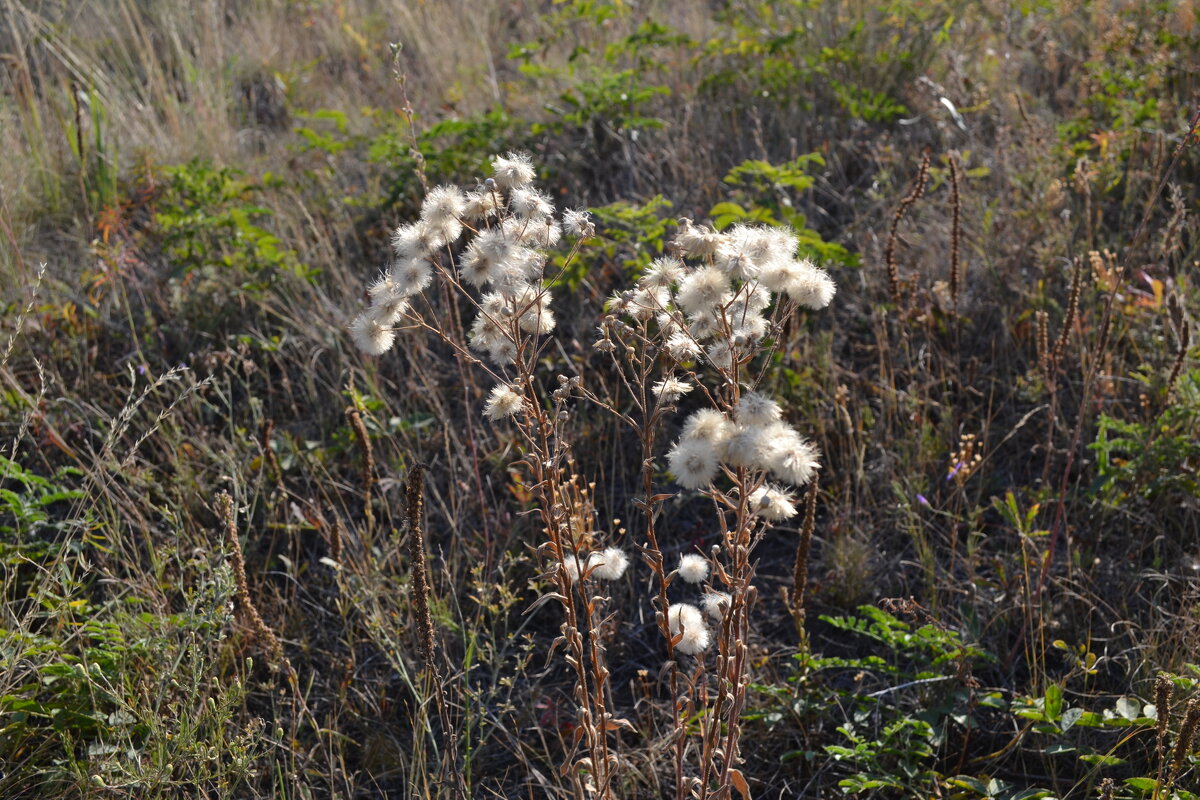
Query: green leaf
column 1100, row 759
column 727, row 208
column 968, row 782
column 1142, row 784
column 1053, row 701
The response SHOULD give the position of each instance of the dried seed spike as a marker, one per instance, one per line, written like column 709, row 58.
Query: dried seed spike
column 1043, row 337
column 228, row 514
column 889, row 252
column 1187, row 736
column 1162, row 706
column 1175, row 310
column 800, row 568
column 1060, row 346
column 1185, row 336
column 955, row 230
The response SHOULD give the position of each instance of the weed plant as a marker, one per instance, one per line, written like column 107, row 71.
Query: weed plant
column 241, row 558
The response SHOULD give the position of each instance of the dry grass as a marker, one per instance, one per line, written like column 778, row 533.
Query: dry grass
column 125, row 667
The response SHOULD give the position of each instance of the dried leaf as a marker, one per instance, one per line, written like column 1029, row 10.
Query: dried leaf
column 614, row 724
column 543, row 600
column 739, row 782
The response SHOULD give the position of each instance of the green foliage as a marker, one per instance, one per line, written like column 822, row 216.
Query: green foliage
column 208, row 221
column 923, row 649
column 819, row 55
column 1144, row 458
column 98, row 159
column 130, row 698
column 763, row 194
column 615, row 101
column 897, row 757
column 610, row 90
column 891, row 735
column 27, row 501
column 635, row 233
column 456, row 150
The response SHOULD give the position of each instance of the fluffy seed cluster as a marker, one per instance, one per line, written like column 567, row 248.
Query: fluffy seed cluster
column 693, row 568
column 716, row 308
column 716, row 605
column 511, row 223
column 504, row 401
column 686, row 619
column 608, row 564
column 605, row 565
column 711, row 304
column 756, row 438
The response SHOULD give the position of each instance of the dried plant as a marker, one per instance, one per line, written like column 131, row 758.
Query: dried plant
column 955, row 231
column 700, row 322
column 889, row 253
column 266, row 636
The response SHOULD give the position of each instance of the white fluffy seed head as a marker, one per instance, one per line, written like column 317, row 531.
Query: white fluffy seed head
column 388, row 302
column 703, row 290
column 578, row 222
column 716, row 605
column 686, row 619
column 483, row 334
column 772, row 503
column 663, row 273
column 504, row 401
column 645, row 303
column 755, row 296
column 752, row 328
column 502, row 351
column 793, row 459
column 671, row 389
column 757, row 409
column 415, row 239
column 540, row 232
column 538, row 320
column 530, row 204
column 617, row 303
column 693, row 568
column 608, row 564
column 708, row 425
column 736, row 255
column 693, row 462
column 778, row 275
column 668, row 324
column 749, row 250
column 720, row 354
column 569, row 566
column 388, row 310
column 479, row 205
column 443, row 204
column 810, row 287
column 513, row 170
column 412, row 275
column 382, row 287
column 682, row 347
column 371, row 334
column 704, row 325
column 697, row 241
column 745, row 447
column 532, row 304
